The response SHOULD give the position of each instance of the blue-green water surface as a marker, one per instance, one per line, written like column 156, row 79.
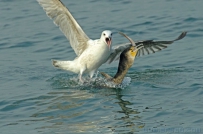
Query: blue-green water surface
column 166, row 91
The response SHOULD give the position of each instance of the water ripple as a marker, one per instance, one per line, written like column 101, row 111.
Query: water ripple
column 165, row 92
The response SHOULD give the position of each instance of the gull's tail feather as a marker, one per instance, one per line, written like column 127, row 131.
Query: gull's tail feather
column 61, row 64
column 65, row 65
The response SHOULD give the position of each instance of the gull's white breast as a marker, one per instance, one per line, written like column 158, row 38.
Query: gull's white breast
column 94, row 56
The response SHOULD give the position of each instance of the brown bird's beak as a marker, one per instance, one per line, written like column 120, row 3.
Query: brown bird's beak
column 131, row 41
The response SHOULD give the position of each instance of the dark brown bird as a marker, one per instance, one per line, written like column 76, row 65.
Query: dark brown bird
column 127, row 57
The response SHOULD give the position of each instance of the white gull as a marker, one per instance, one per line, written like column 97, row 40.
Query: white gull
column 91, row 54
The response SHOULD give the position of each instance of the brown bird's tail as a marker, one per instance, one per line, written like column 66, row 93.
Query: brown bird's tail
column 106, row 75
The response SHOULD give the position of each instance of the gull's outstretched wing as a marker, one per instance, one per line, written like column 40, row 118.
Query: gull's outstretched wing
column 148, row 47
column 61, row 16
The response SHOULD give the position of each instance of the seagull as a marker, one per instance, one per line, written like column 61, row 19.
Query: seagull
column 91, row 54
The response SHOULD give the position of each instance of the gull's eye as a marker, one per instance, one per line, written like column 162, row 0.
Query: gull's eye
column 104, row 34
column 111, row 34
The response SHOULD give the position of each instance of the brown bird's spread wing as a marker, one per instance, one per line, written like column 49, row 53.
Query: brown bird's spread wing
column 148, row 47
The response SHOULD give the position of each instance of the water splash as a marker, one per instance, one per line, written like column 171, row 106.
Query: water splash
column 62, row 81
column 104, row 83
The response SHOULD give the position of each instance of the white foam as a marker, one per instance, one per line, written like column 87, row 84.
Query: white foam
column 105, row 83
column 126, row 81
column 95, row 82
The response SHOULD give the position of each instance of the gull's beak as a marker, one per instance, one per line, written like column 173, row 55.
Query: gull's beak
column 108, row 42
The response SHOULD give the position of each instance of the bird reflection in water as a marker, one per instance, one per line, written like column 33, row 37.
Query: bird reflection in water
column 83, row 111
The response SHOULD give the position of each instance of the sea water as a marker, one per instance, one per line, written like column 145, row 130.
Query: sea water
column 165, row 93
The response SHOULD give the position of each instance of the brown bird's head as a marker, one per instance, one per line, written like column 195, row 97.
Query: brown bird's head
column 127, row 57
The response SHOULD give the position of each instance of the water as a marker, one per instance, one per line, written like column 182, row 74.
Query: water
column 165, row 93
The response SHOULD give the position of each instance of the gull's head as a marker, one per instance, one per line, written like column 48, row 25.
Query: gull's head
column 106, row 37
